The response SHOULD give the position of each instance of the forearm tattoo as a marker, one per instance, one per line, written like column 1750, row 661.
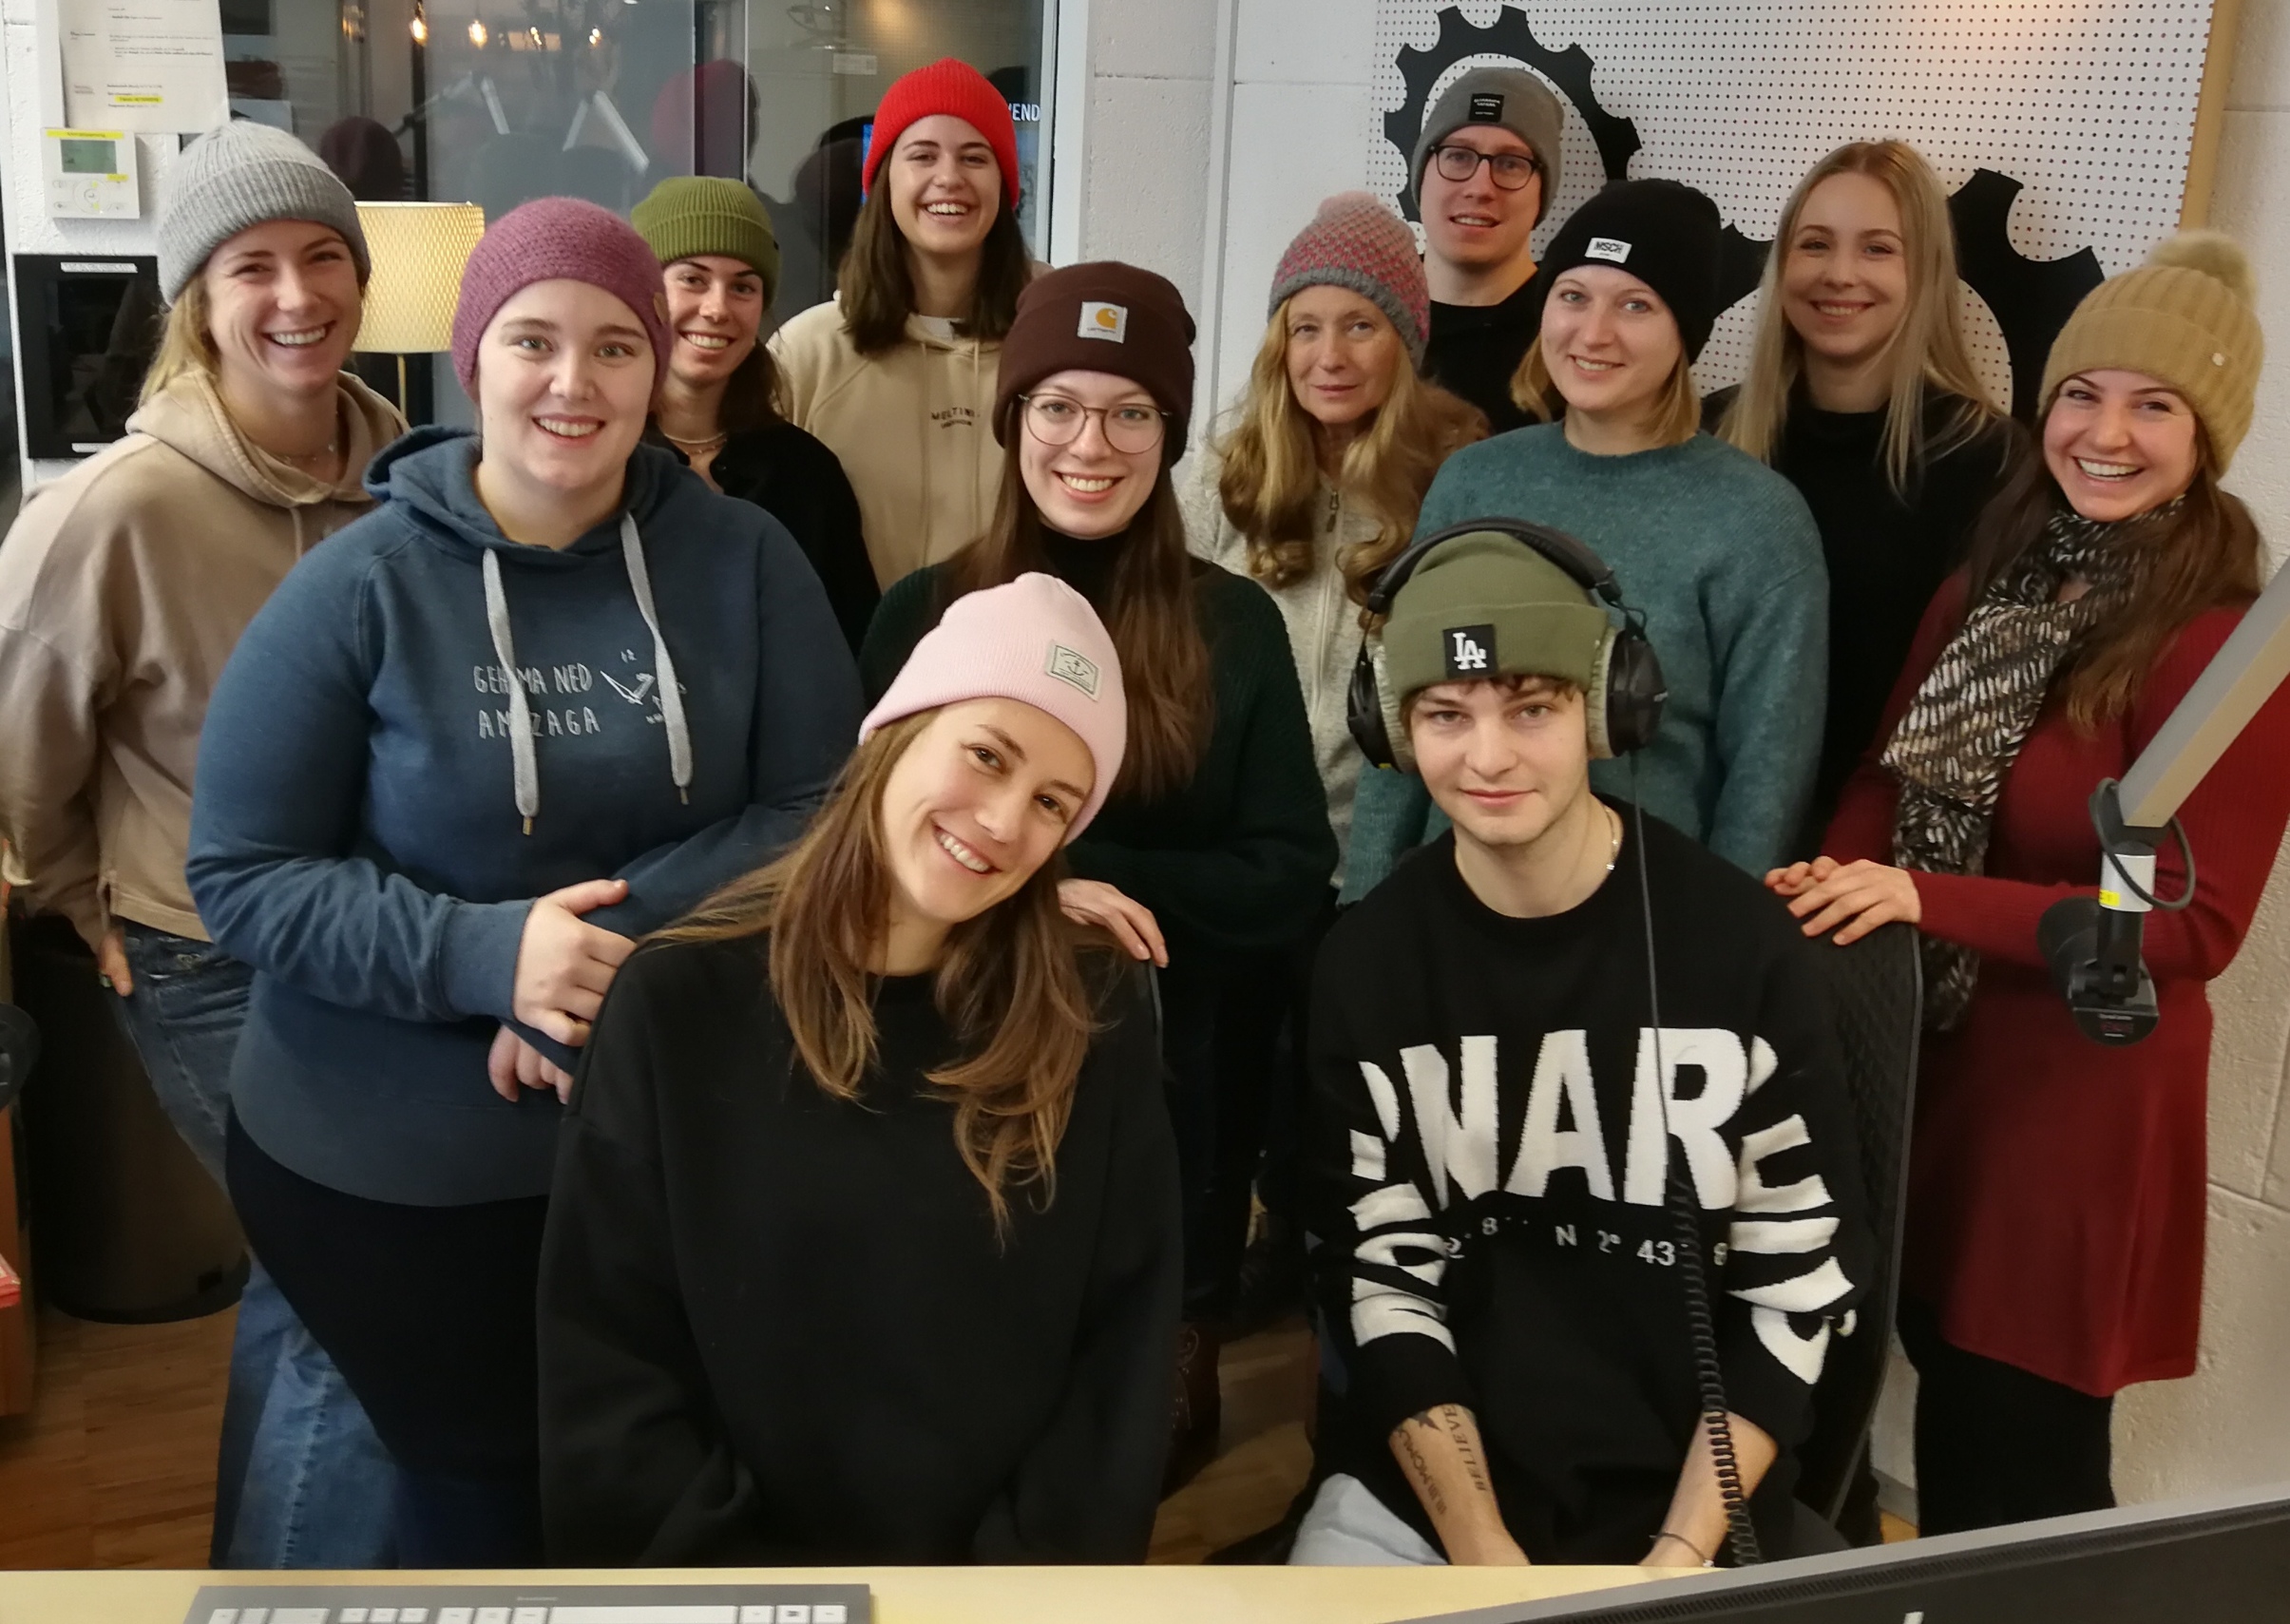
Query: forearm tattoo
column 1458, row 1433
column 1418, row 1468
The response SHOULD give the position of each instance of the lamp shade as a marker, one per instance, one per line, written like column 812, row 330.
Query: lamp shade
column 418, row 251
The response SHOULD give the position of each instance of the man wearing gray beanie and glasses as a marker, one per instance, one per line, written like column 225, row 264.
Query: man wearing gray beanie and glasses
column 1483, row 169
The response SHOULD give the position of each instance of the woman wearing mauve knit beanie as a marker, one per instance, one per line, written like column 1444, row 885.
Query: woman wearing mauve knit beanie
column 2052, row 1247
column 548, row 694
column 896, row 372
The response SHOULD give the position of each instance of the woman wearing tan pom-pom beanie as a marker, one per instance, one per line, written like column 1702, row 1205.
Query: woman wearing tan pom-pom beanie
column 2055, row 1223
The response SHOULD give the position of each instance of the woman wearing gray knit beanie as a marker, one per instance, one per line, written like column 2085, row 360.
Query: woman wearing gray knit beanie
column 123, row 588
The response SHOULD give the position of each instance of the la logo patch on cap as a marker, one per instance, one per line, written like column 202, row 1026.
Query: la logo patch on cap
column 1469, row 651
column 1071, row 666
column 1608, row 248
column 1487, row 107
column 1107, row 321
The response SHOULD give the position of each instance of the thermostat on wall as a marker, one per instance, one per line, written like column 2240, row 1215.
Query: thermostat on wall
column 90, row 174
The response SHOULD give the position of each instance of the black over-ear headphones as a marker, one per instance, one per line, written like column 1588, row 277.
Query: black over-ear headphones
column 1624, row 704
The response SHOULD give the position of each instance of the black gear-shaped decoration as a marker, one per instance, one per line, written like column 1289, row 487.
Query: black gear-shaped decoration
column 1508, row 35
column 2030, row 299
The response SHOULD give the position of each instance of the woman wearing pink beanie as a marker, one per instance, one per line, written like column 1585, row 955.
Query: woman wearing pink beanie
column 547, row 695
column 896, row 373
column 865, row 1244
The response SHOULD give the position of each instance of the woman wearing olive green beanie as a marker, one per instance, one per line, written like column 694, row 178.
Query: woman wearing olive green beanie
column 2054, row 1244
column 719, row 404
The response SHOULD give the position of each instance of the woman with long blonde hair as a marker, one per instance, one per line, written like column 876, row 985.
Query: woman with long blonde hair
column 1862, row 391
column 1316, row 485
column 863, row 1244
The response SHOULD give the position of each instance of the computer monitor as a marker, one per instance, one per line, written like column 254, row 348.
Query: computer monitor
column 2223, row 1559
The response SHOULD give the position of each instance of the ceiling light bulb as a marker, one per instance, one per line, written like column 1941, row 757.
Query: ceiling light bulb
column 477, row 33
column 421, row 29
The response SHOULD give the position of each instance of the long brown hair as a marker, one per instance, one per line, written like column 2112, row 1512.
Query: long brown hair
column 1270, row 482
column 1926, row 349
column 1011, row 984
column 877, row 294
column 1150, row 609
column 2196, row 556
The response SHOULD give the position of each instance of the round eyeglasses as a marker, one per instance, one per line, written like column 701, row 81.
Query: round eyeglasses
column 1512, row 171
column 1055, row 420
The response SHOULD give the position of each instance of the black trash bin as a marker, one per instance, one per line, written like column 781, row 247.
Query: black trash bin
column 131, row 1230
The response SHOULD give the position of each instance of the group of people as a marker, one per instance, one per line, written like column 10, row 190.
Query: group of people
column 753, row 932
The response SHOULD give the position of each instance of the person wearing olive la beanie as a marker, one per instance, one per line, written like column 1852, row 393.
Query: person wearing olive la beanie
column 895, row 373
column 720, row 408
column 544, row 698
column 1717, row 550
column 1225, row 841
column 2044, row 1271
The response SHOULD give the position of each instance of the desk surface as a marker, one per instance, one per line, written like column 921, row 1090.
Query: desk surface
column 921, row 1595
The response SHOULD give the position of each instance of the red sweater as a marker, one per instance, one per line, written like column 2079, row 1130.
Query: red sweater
column 2056, row 1194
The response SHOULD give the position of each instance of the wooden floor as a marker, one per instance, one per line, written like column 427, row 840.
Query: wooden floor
column 114, row 1467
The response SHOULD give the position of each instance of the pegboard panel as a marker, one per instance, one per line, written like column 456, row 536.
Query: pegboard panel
column 2088, row 105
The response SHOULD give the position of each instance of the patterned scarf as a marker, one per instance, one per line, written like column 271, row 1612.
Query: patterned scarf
column 1973, row 714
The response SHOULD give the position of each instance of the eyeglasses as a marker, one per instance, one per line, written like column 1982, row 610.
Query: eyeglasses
column 1057, row 421
column 1512, row 171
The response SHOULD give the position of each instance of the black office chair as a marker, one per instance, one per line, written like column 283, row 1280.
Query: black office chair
column 19, row 1049
column 1877, row 994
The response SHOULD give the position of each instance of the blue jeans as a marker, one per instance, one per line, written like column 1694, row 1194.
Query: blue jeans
column 300, row 1480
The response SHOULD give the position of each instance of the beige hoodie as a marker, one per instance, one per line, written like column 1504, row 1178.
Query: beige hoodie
column 123, row 586
column 914, row 427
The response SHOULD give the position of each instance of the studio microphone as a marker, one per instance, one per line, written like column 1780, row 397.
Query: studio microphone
column 2093, row 943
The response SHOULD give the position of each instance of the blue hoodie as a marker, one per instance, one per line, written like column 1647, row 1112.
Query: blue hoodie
column 359, row 831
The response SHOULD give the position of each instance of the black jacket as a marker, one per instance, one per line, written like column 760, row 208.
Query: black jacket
column 792, row 475
column 777, row 1327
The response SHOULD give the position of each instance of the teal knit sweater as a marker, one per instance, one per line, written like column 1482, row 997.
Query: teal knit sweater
column 1238, row 858
column 1720, row 555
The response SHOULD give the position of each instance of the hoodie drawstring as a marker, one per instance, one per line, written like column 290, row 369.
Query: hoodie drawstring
column 522, row 755
column 520, row 712
column 672, row 696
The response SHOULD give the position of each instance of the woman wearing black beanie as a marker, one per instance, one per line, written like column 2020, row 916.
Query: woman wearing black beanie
column 1717, row 551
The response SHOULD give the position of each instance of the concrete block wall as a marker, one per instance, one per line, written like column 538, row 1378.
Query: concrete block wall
column 1296, row 117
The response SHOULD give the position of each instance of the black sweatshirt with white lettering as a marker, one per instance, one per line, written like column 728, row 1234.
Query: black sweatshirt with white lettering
column 1487, row 1169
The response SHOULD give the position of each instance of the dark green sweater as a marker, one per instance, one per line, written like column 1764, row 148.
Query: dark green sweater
column 1238, row 858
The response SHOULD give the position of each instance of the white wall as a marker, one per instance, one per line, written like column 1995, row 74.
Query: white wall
column 1297, row 116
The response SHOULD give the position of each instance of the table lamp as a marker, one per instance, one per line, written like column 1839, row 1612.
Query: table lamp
column 418, row 251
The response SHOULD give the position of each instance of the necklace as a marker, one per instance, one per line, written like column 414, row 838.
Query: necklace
column 707, row 444
column 1613, row 851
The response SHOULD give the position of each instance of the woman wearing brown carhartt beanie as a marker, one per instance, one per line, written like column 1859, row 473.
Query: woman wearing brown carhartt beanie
column 1214, row 848
column 2056, row 1200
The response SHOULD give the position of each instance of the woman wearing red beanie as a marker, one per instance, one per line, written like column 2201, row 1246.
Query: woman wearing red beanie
column 897, row 374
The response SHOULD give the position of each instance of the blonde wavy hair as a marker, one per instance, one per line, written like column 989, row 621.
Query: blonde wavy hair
column 1927, row 349
column 1270, row 483
column 1677, row 412
column 185, row 345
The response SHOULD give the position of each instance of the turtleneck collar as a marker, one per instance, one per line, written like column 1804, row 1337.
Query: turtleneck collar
column 1087, row 567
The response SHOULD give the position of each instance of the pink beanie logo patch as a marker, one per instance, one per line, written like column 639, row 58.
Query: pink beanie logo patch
column 1071, row 666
